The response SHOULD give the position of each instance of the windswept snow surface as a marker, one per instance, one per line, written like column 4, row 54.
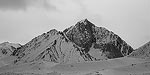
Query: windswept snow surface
column 87, row 67
column 133, row 69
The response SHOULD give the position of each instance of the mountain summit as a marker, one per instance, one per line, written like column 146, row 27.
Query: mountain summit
column 82, row 42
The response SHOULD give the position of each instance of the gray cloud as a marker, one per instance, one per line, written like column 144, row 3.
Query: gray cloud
column 47, row 4
column 13, row 4
column 24, row 4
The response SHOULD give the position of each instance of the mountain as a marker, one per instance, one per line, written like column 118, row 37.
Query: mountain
column 142, row 52
column 7, row 48
column 82, row 49
column 82, row 42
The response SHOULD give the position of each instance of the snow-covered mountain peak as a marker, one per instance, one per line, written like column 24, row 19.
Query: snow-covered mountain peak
column 82, row 42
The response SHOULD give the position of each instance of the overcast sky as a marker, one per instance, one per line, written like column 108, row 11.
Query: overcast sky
column 22, row 20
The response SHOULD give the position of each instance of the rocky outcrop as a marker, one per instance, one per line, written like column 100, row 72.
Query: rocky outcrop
column 82, row 42
column 82, row 34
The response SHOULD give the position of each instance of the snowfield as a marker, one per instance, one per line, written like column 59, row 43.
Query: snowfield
column 87, row 67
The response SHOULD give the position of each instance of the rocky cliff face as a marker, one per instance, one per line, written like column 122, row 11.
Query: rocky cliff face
column 7, row 48
column 82, row 42
column 142, row 52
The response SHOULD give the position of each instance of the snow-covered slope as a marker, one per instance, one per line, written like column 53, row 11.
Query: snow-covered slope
column 88, row 67
column 141, row 68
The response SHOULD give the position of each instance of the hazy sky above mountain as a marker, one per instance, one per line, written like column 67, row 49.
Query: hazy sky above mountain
column 22, row 20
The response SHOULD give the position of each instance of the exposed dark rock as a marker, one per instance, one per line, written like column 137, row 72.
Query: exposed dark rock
column 82, row 34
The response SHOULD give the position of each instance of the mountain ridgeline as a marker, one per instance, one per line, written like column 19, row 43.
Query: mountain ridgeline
column 142, row 52
column 82, row 42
